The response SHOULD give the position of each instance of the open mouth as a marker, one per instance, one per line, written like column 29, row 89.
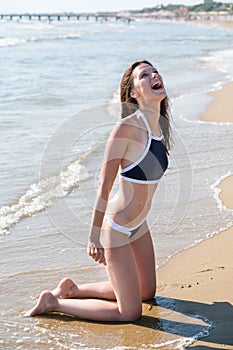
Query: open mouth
column 156, row 86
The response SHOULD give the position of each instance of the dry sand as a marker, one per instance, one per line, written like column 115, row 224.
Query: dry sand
column 221, row 109
column 201, row 278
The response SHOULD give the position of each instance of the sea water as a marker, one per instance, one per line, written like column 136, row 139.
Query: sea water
column 59, row 99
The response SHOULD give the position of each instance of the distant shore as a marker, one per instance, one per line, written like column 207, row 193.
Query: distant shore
column 225, row 19
column 218, row 21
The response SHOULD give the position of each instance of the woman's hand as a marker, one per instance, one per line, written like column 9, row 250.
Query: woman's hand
column 96, row 251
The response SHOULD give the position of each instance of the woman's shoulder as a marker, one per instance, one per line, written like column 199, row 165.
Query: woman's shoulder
column 129, row 125
column 131, row 120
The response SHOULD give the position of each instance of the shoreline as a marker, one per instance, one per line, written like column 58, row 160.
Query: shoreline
column 220, row 110
column 225, row 195
column 198, row 278
column 214, row 21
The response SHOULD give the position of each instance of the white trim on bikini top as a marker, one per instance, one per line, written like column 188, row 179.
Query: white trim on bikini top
column 144, row 153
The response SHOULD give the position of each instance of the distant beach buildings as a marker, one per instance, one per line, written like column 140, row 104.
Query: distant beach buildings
column 205, row 10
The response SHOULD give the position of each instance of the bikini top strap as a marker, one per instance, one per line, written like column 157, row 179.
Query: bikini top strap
column 148, row 127
column 145, row 121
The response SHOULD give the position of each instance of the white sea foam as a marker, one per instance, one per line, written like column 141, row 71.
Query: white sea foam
column 216, row 191
column 7, row 42
column 41, row 195
column 70, row 36
column 66, row 36
column 221, row 60
column 199, row 121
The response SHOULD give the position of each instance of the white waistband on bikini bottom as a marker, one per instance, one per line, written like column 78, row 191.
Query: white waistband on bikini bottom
column 120, row 228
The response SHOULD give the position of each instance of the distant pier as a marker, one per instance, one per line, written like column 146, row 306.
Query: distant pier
column 68, row 16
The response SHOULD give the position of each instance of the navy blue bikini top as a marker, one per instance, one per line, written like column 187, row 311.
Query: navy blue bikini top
column 153, row 162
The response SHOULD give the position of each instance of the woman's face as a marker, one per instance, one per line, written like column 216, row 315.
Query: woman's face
column 148, row 84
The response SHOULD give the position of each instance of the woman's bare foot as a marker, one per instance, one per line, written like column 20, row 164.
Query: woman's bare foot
column 46, row 303
column 66, row 289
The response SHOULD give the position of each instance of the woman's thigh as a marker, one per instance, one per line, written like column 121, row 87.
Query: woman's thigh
column 145, row 259
column 123, row 275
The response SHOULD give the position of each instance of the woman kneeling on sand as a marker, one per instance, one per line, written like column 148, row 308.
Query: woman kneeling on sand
column 119, row 237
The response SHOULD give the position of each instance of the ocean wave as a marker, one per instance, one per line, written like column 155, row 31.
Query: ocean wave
column 198, row 121
column 204, row 90
column 69, row 36
column 8, row 42
column 41, row 195
column 221, row 60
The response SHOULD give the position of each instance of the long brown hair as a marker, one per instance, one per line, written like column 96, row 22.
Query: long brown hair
column 129, row 104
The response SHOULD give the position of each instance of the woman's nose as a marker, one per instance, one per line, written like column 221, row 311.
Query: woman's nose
column 155, row 74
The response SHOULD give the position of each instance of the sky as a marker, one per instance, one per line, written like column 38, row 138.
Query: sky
column 22, row 6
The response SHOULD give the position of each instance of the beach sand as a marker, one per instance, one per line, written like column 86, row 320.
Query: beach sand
column 215, row 21
column 200, row 278
column 221, row 109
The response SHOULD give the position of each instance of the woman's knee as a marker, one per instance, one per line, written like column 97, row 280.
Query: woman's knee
column 148, row 292
column 131, row 315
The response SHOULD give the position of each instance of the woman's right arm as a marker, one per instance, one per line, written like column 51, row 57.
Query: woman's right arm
column 114, row 152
